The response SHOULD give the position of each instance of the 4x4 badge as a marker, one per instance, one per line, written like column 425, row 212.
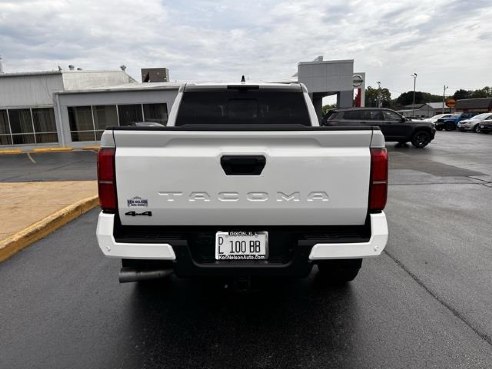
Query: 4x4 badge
column 134, row 213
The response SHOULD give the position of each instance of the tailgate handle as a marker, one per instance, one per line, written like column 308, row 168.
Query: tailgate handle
column 240, row 165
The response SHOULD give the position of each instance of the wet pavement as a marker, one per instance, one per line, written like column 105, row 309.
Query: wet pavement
column 424, row 303
column 74, row 165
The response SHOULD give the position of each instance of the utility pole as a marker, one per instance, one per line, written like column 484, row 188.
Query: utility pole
column 379, row 94
column 443, row 97
column 413, row 104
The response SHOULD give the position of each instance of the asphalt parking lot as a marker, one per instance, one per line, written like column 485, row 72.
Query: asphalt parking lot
column 75, row 165
column 426, row 302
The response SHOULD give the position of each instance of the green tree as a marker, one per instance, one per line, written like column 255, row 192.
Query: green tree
column 469, row 94
column 484, row 92
column 462, row 94
column 427, row 97
column 374, row 94
column 406, row 98
column 326, row 108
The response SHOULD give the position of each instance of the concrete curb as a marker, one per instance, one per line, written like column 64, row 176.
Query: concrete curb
column 41, row 150
column 52, row 149
column 41, row 229
column 91, row 148
column 11, row 152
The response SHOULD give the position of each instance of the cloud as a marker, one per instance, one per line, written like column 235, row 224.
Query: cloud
column 221, row 40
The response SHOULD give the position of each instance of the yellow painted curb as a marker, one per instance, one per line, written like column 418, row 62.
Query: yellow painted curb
column 10, row 152
column 91, row 148
column 41, row 229
column 52, row 149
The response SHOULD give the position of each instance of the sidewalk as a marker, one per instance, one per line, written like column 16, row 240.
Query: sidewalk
column 31, row 210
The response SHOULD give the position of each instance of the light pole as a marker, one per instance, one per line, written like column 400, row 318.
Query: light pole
column 413, row 104
column 379, row 94
column 443, row 98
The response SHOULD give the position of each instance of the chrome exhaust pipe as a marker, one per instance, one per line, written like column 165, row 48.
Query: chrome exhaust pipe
column 134, row 275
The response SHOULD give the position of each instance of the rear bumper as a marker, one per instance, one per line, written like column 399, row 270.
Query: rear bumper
column 306, row 251
column 111, row 248
column 373, row 247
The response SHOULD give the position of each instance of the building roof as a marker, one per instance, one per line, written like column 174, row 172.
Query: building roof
column 479, row 103
column 328, row 61
column 132, row 86
column 28, row 74
column 437, row 105
column 51, row 72
column 414, row 106
column 432, row 105
column 76, row 79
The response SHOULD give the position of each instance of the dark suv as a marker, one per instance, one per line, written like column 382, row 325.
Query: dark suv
column 394, row 126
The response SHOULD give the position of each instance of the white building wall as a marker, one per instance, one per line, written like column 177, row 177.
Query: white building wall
column 327, row 76
column 29, row 90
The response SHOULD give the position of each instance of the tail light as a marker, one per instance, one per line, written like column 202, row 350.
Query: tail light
column 106, row 179
column 378, row 189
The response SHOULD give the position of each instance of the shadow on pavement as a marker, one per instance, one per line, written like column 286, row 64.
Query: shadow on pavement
column 274, row 323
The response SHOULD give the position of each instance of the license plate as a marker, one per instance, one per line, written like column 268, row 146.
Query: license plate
column 241, row 245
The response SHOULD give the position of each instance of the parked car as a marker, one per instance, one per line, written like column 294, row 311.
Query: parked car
column 485, row 126
column 450, row 123
column 395, row 127
column 473, row 124
column 434, row 118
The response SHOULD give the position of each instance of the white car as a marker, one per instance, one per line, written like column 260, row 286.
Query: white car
column 436, row 117
column 473, row 124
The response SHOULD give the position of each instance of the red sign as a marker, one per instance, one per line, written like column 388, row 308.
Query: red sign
column 450, row 103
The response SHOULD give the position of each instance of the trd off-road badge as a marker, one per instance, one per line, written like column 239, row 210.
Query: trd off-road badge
column 137, row 202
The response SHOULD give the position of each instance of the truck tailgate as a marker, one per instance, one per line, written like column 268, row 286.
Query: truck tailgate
column 172, row 177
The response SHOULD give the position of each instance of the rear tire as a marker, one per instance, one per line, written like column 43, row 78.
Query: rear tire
column 339, row 271
column 421, row 139
column 439, row 128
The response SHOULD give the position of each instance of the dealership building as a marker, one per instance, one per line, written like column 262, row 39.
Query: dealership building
column 73, row 107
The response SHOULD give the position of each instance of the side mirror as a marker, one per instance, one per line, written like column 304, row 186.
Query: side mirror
column 403, row 119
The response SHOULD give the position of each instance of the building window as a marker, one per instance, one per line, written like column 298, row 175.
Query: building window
column 155, row 113
column 27, row 126
column 44, row 125
column 21, row 126
column 104, row 116
column 81, row 123
column 87, row 123
column 130, row 114
column 5, row 136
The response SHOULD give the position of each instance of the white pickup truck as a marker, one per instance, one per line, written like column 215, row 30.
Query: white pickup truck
column 242, row 182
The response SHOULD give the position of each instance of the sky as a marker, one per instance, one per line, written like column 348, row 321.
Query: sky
column 446, row 42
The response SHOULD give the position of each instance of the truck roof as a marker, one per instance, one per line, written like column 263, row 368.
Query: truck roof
column 294, row 86
column 360, row 108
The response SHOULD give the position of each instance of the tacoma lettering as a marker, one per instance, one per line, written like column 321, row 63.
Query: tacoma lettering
column 229, row 196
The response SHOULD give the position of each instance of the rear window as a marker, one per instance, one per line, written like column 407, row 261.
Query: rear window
column 363, row 115
column 237, row 106
column 353, row 115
